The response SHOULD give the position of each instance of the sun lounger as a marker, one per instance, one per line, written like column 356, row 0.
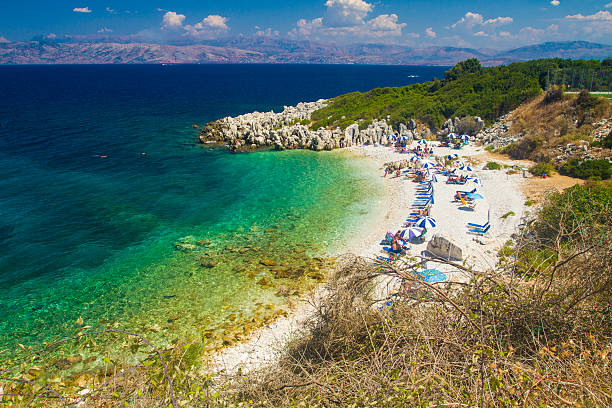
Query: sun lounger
column 478, row 226
column 466, row 192
column 480, row 231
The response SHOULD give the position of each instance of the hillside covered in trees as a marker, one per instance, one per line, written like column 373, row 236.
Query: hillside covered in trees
column 467, row 89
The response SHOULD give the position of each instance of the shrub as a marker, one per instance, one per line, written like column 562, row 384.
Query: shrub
column 493, row 166
column 587, row 169
column 607, row 141
column 541, row 168
column 553, row 95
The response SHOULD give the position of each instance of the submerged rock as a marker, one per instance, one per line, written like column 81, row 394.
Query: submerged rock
column 66, row 363
column 268, row 262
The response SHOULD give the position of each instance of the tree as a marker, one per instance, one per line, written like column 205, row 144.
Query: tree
column 469, row 66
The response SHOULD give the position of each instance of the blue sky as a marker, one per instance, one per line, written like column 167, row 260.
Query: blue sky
column 479, row 24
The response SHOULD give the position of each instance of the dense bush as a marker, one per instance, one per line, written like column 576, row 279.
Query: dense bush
column 587, row 169
column 580, row 204
column 493, row 166
column 541, row 168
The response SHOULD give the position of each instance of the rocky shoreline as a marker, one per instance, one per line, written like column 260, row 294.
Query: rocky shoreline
column 288, row 130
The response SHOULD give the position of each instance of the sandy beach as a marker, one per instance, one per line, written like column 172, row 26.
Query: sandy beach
column 503, row 193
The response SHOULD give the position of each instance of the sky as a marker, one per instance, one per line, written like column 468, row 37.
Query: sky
column 418, row 23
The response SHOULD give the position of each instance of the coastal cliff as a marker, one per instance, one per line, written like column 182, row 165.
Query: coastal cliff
column 289, row 130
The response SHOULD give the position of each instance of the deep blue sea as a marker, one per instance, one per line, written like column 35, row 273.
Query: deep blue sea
column 101, row 176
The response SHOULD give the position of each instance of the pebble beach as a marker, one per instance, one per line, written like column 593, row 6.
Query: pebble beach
column 502, row 192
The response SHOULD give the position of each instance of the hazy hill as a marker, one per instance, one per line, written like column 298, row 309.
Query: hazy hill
column 268, row 50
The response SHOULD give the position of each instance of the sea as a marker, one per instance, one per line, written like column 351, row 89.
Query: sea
column 112, row 215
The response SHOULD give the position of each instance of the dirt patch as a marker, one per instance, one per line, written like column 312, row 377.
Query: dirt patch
column 535, row 188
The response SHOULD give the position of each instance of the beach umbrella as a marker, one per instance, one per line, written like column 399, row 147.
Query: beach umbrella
column 414, row 232
column 465, row 137
column 425, row 222
column 452, row 156
column 452, row 135
column 427, row 165
column 475, row 180
column 465, row 167
column 422, row 141
column 474, row 196
column 414, row 158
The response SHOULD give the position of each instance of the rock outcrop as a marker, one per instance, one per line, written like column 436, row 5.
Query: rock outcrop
column 444, row 248
column 287, row 130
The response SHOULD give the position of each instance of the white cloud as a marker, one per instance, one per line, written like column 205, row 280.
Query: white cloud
column 268, row 32
column 50, row 36
column 555, row 2
column 110, row 10
column 346, row 21
column 345, row 13
column 81, row 10
column 3, row 40
column 471, row 20
column 481, row 34
column 215, row 21
column 609, row 5
column 599, row 16
column 209, row 27
column 172, row 20
column 430, row 32
column 105, row 30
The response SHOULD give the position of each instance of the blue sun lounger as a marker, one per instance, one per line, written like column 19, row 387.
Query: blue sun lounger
column 478, row 226
column 480, row 231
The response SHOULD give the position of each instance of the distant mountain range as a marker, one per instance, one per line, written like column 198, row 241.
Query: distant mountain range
column 269, row 50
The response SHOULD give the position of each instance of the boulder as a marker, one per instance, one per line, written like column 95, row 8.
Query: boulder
column 443, row 247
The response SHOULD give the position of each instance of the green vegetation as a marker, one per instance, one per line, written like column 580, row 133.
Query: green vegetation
column 587, row 169
column 493, row 166
column 508, row 214
column 581, row 204
column 468, row 89
column 541, row 169
column 529, row 203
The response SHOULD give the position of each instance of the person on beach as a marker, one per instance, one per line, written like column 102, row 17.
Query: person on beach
column 395, row 242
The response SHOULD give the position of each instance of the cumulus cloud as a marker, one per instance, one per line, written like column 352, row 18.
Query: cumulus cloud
column 555, row 2
column 215, row 21
column 268, row 32
column 3, row 40
column 172, row 20
column 50, row 36
column 105, row 30
column 111, row 11
column 347, row 21
column 599, row 16
column 343, row 13
column 81, row 10
column 209, row 27
column 430, row 32
column 609, row 5
column 471, row 20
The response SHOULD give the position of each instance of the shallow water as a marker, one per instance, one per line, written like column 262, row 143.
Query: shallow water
column 101, row 176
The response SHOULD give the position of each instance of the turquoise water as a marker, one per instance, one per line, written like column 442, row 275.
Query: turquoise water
column 101, row 177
